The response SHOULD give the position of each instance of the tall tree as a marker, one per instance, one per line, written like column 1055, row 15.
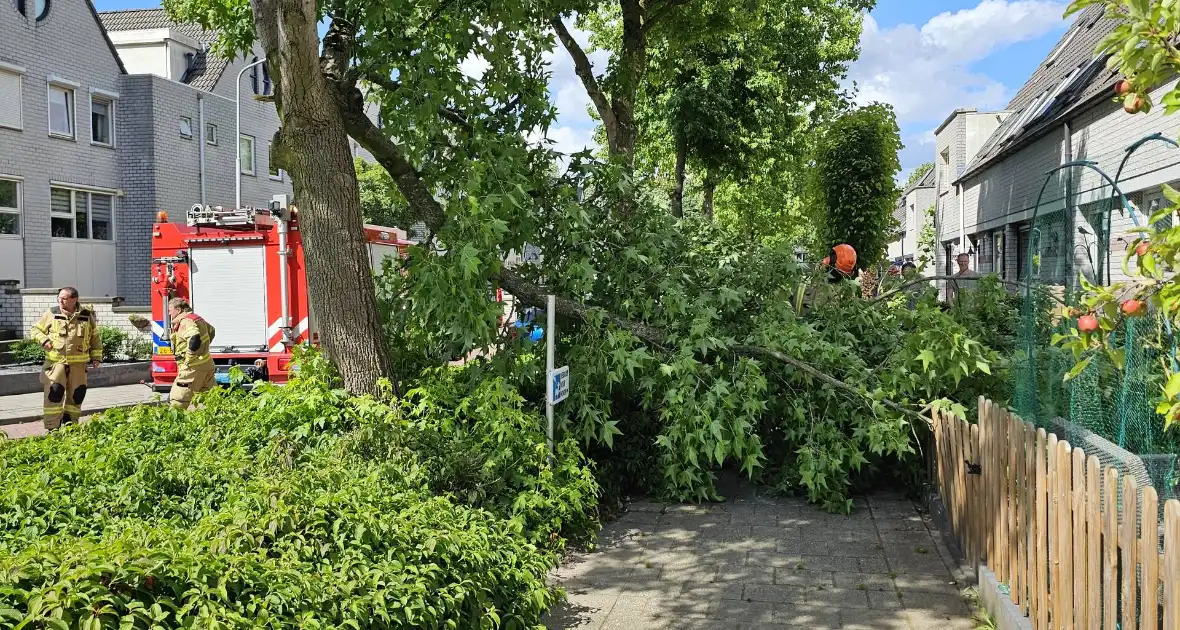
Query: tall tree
column 741, row 98
column 853, row 181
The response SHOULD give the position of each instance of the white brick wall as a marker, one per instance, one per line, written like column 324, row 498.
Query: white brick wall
column 20, row 310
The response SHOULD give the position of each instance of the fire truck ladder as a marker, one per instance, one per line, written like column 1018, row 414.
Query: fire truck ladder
column 217, row 216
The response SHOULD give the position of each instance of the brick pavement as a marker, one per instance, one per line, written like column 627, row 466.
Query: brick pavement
column 756, row 562
column 20, row 415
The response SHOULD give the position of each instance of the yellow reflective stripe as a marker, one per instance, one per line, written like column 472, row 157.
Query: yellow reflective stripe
column 77, row 358
column 73, row 409
column 53, row 408
column 53, row 356
column 198, row 361
column 96, row 354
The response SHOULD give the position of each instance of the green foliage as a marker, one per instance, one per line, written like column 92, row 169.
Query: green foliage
column 113, row 339
column 293, row 507
column 27, row 351
column 854, row 186
column 926, row 240
column 381, row 202
column 917, row 174
column 1141, row 48
column 116, row 345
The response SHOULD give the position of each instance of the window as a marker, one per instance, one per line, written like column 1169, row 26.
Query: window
column 945, row 165
column 40, row 8
column 211, row 134
column 10, row 100
column 61, row 112
column 186, row 127
column 80, row 214
column 102, row 127
column 246, row 154
column 266, row 85
column 9, row 206
column 275, row 173
column 254, row 75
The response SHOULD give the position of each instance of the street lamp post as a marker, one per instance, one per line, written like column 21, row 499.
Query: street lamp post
column 238, row 134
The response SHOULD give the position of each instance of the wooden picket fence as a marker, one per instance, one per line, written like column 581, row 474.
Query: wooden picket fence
column 1048, row 520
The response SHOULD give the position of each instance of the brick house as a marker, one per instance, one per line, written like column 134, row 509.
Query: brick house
column 178, row 128
column 910, row 214
column 1066, row 111
column 106, row 119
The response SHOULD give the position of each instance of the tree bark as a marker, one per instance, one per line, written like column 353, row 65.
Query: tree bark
column 707, row 204
column 313, row 147
column 678, row 190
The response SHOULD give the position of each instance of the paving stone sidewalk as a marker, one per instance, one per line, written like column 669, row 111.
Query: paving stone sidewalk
column 756, row 562
column 20, row 415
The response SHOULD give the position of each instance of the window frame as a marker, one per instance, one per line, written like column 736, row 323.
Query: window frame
column 22, row 7
column 183, row 119
column 18, row 209
column 210, row 134
column 253, row 156
column 110, row 103
column 71, row 92
column 75, row 193
column 278, row 175
column 19, row 73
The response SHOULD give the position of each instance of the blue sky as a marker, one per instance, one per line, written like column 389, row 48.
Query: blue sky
column 924, row 57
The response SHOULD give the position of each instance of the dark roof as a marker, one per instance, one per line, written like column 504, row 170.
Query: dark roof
column 207, row 68
column 1069, row 79
column 107, row 38
column 925, row 181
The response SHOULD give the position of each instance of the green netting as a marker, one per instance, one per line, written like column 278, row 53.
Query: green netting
column 1108, row 409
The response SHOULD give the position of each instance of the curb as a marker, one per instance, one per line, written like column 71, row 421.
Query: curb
column 1007, row 615
column 5, row 422
column 108, row 375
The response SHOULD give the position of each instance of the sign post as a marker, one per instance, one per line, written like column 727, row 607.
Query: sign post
column 557, row 387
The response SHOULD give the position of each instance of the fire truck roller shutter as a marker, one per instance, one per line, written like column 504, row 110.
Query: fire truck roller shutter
column 229, row 291
column 379, row 252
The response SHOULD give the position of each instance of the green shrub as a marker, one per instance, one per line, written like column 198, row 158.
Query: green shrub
column 288, row 507
column 113, row 339
column 28, row 351
column 138, row 348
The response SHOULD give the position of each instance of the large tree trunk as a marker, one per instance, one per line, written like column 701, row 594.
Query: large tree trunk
column 313, row 147
column 678, row 191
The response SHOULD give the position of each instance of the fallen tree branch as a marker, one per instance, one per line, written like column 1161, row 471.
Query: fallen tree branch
column 534, row 295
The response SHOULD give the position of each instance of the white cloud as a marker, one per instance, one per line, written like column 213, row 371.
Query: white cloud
column 924, row 72
column 574, row 129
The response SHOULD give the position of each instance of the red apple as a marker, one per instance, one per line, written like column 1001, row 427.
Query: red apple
column 1133, row 308
column 1087, row 323
column 1133, row 103
column 1122, row 87
column 1141, row 249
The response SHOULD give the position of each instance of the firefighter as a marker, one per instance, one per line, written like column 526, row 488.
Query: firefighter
column 70, row 337
column 841, row 262
column 191, row 337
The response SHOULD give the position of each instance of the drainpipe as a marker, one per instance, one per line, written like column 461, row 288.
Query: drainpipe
column 962, row 221
column 201, row 122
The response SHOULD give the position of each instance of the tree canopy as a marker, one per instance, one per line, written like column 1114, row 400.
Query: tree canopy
column 691, row 345
column 853, row 179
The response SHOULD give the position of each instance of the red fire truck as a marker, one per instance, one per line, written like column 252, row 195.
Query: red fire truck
column 243, row 271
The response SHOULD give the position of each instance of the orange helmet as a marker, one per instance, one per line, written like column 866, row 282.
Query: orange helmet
column 845, row 258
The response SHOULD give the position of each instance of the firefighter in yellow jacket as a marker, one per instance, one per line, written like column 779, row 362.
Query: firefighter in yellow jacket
column 191, row 337
column 70, row 337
